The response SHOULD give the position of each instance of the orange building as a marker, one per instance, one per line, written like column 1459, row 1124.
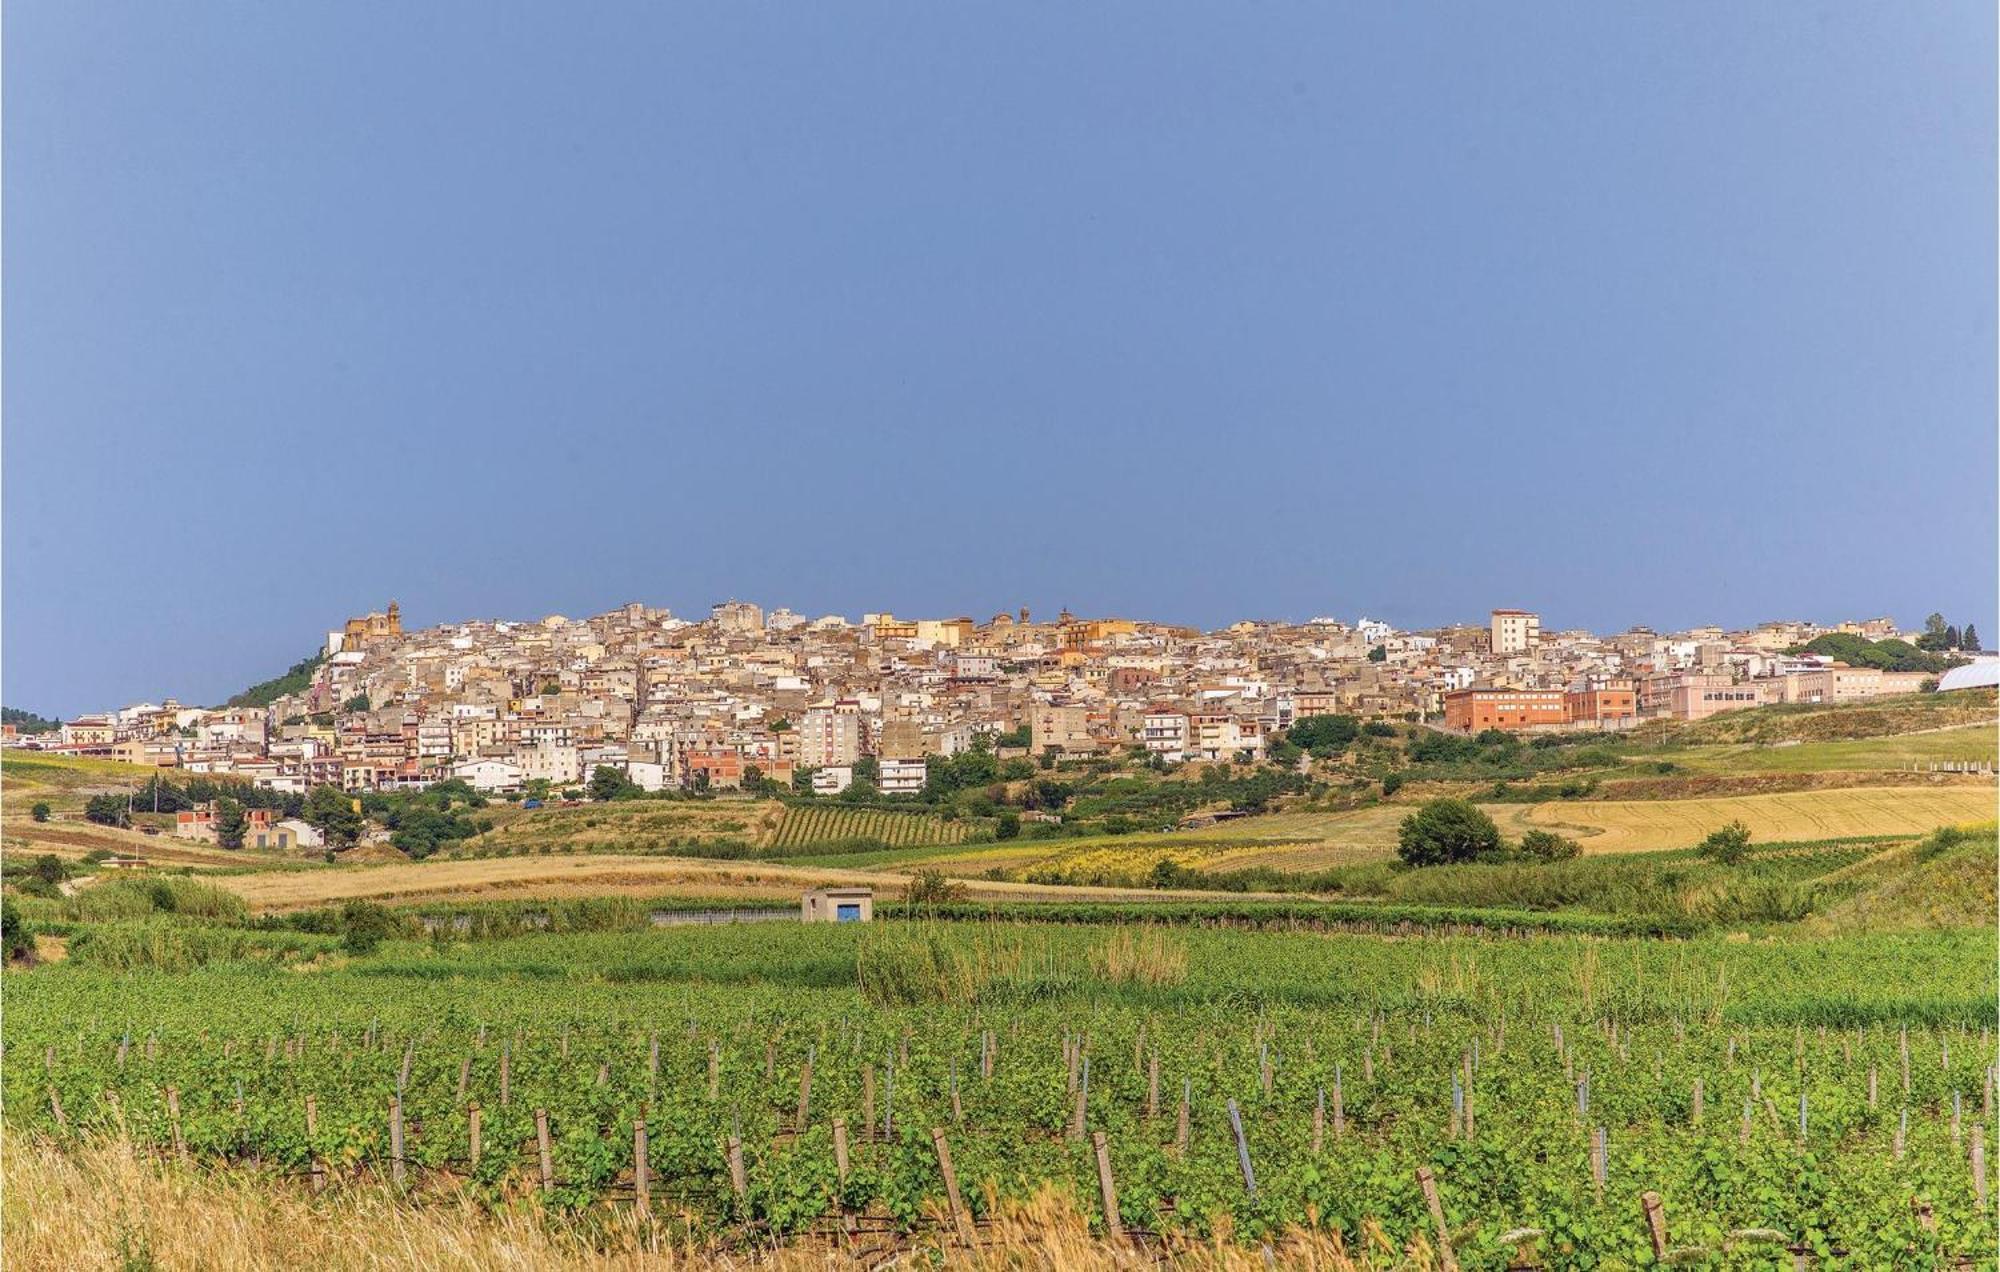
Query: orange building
column 1593, row 706
column 1474, row 710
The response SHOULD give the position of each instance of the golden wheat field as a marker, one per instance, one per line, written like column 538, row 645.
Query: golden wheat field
column 1640, row 825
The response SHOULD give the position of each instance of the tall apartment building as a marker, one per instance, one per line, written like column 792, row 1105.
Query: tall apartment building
column 1515, row 631
column 829, row 734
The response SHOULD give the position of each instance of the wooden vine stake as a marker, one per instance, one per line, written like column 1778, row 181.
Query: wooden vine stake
column 642, row 1180
column 1696, row 1106
column 506, row 1073
column 396, row 1139
column 739, row 1182
column 840, row 1148
column 543, row 1158
column 1979, row 1165
column 958, row 1216
column 472, row 1132
column 1153, row 1086
column 312, row 1130
column 1447, row 1258
column 1114, row 1226
column 1656, row 1222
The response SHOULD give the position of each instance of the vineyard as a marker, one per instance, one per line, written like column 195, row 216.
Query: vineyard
column 1545, row 1102
column 812, row 825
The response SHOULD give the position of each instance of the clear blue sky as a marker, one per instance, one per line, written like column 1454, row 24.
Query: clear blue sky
column 1661, row 313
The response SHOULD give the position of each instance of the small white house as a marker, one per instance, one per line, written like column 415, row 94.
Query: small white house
column 833, row 779
column 304, row 833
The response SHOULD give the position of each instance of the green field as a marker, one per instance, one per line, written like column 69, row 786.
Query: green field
column 1276, row 1024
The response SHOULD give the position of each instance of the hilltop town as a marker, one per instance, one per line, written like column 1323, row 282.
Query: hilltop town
column 749, row 697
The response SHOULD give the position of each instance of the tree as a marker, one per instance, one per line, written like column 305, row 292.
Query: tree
column 359, row 702
column 1378, row 653
column 1547, row 845
column 608, row 783
column 1009, row 826
column 229, row 822
column 1325, row 736
column 331, row 812
column 1934, row 634
column 107, row 810
column 1952, row 640
column 1445, row 831
column 50, row 868
column 1971, row 643
column 1727, row 845
column 39, row 812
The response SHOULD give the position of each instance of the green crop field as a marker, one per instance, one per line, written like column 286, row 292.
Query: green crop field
column 1542, row 1083
column 805, row 825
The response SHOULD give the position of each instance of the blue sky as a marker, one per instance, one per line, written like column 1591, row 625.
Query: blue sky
column 1663, row 313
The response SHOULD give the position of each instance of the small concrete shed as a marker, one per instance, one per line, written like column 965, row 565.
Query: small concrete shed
column 838, row 905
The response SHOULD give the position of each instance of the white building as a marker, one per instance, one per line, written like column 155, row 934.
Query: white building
column 490, row 774
column 833, row 779
column 1165, row 734
column 902, row 777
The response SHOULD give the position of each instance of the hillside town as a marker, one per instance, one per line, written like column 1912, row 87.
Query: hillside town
column 750, row 696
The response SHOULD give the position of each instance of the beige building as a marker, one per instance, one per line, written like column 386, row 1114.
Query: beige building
column 837, row 905
column 1514, row 631
column 829, row 734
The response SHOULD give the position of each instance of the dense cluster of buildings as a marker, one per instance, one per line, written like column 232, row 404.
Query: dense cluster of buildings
column 749, row 693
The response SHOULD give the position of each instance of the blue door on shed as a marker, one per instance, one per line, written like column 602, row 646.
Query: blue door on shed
column 847, row 912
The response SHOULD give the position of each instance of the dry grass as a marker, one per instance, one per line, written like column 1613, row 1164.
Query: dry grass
column 1146, row 956
column 522, row 878
column 99, row 1206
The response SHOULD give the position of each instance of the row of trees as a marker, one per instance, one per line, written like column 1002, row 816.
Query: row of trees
column 1939, row 635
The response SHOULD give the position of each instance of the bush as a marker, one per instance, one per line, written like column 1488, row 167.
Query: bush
column 1546, row 845
column 1444, row 831
column 1009, row 826
column 1728, row 845
column 16, row 940
column 1392, row 783
column 40, row 812
column 364, row 925
column 929, row 889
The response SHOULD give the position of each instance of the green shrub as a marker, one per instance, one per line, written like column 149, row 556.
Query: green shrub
column 1546, row 845
column 364, row 925
column 1726, row 845
column 16, row 940
column 1444, row 831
